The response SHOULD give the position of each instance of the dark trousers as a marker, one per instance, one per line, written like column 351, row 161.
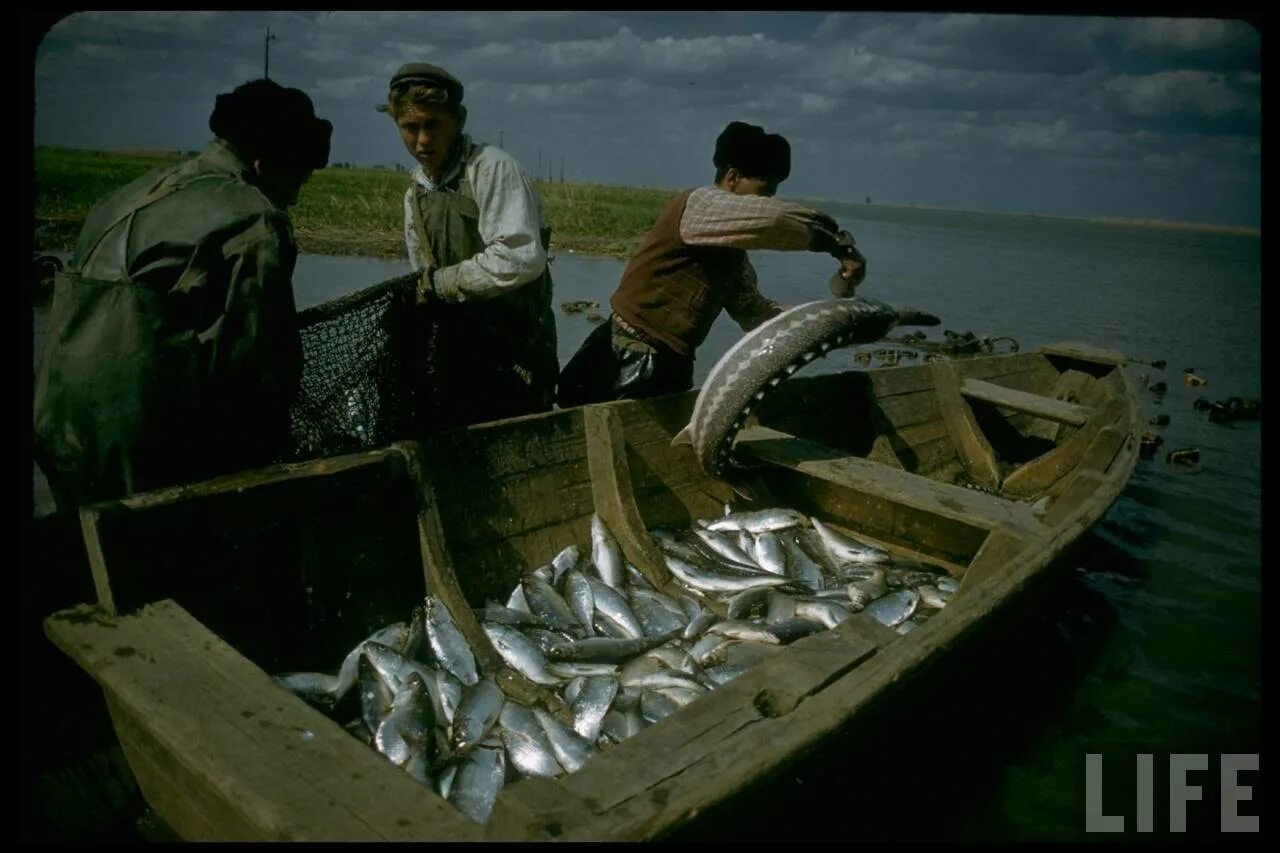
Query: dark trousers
column 612, row 364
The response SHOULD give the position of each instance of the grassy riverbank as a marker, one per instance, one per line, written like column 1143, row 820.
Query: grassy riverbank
column 342, row 211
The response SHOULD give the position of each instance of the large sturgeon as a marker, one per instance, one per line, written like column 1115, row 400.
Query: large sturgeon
column 773, row 351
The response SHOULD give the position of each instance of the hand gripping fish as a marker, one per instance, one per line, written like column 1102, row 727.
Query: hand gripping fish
column 773, row 351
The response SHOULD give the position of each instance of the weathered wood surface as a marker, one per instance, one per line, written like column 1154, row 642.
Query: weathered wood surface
column 897, row 486
column 614, row 499
column 224, row 753
column 1070, row 387
column 625, row 784
column 441, row 579
column 97, row 559
column 1034, row 477
column 1085, row 352
column 1021, row 401
column 970, row 442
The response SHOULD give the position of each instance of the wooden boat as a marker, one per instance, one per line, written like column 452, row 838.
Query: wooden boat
column 988, row 467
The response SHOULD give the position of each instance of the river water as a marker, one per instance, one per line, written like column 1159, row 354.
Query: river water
column 1150, row 638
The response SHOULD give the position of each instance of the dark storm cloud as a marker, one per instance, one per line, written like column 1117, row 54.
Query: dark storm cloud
column 874, row 103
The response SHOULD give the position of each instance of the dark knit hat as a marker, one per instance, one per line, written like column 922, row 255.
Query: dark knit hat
column 753, row 152
column 433, row 75
column 264, row 120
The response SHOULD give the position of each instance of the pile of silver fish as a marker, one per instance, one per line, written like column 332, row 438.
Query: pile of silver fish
column 621, row 654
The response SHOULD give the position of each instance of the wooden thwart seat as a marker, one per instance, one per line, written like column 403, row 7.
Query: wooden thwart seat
column 914, row 490
column 1022, row 401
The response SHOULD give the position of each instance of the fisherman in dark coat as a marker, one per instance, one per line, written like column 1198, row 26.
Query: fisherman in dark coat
column 485, row 344
column 172, row 352
column 693, row 264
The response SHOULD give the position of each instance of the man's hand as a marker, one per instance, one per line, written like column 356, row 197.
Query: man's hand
column 423, row 291
column 853, row 267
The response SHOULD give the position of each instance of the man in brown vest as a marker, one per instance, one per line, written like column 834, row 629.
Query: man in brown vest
column 693, row 263
column 486, row 344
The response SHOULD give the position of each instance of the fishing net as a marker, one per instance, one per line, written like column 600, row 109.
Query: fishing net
column 357, row 375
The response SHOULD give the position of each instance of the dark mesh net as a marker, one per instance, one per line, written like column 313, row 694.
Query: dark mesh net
column 357, row 385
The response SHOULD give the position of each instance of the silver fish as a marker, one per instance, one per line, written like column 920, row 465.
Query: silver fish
column 481, row 704
column 503, row 615
column 894, row 608
column 520, row 653
column 577, row 591
column 655, row 614
column 740, row 629
column 718, row 676
column 568, row 558
column 375, row 695
column 827, row 613
column 613, row 606
column 770, row 554
column 408, row 727
column 620, row 724
column 592, row 703
column 605, row 649
column 571, row 750
column 574, row 669
column 700, row 623
column 759, row 521
column 931, row 596
column 312, row 686
column 704, row 580
column 527, row 745
column 947, row 584
column 655, row 707
column 663, row 678
column 863, row 592
column 846, row 549
column 444, row 779
column 516, row 601
column 570, row 692
column 769, row 353
column 684, row 695
column 748, row 602
column 801, row 566
column 548, row 604
column 448, row 644
column 606, row 556
column 636, row 578
column 722, row 544
column 481, row 774
column 394, row 635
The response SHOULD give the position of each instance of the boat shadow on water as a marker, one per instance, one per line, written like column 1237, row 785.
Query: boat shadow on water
column 919, row 764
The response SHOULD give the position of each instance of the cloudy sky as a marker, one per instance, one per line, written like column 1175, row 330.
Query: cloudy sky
column 1070, row 116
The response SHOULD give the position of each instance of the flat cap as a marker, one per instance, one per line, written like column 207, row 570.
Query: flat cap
column 425, row 72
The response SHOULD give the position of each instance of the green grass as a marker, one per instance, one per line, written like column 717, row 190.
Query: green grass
column 342, row 211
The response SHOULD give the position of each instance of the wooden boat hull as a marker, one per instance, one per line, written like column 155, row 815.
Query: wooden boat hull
column 204, row 590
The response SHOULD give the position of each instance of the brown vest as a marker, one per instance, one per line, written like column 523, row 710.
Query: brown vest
column 672, row 293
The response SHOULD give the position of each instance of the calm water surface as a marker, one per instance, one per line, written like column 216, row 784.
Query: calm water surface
column 1150, row 638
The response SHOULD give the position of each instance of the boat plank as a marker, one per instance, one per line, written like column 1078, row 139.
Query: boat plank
column 1035, row 476
column 974, row 449
column 1022, row 401
column 244, row 746
column 886, row 384
column 899, row 486
column 613, row 497
column 771, row 689
column 1085, row 352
